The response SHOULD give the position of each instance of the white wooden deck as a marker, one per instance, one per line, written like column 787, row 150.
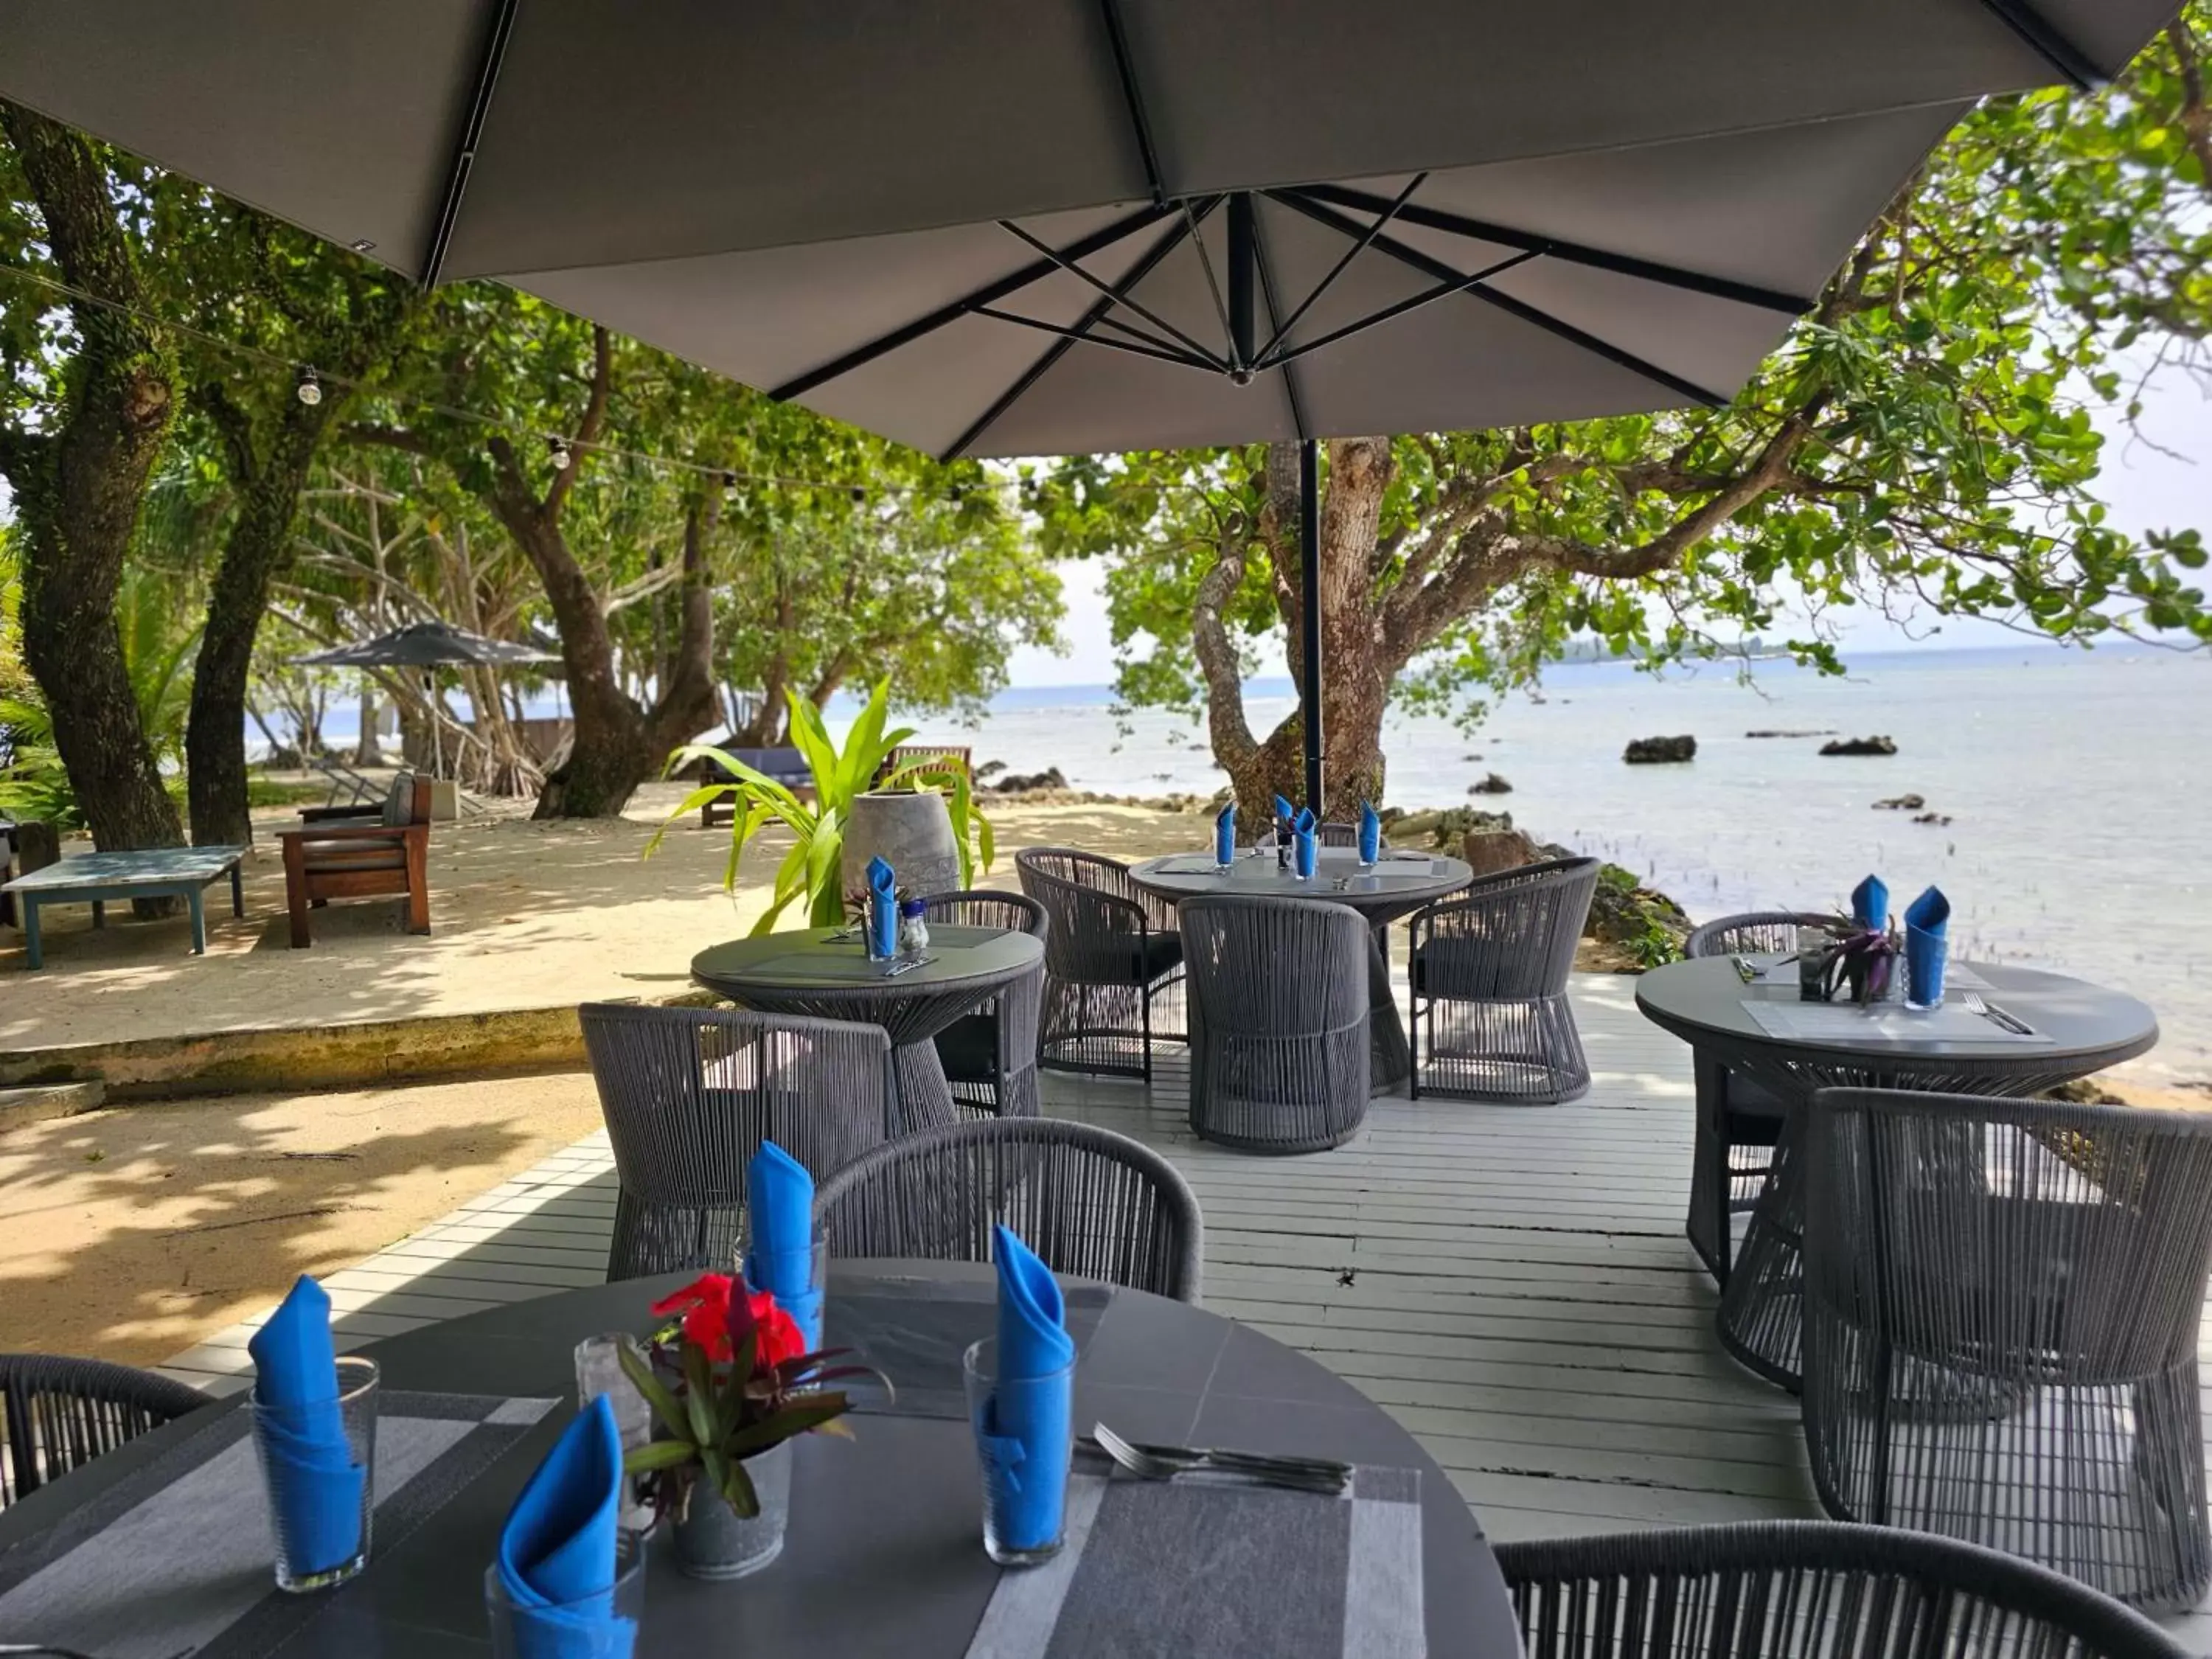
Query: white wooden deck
column 1511, row 1282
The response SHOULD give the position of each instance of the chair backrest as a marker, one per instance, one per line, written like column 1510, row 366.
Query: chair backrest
column 1507, row 936
column 1091, row 1203
column 986, row 907
column 689, row 1094
column 1264, row 966
column 2007, row 1237
column 1808, row 1589
column 58, row 1414
column 1340, row 835
column 1752, row 931
column 952, row 756
column 408, row 800
column 1095, row 913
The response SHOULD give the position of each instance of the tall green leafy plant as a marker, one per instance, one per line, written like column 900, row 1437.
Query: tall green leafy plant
column 810, row 870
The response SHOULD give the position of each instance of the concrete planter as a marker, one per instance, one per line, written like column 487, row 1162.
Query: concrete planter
column 910, row 831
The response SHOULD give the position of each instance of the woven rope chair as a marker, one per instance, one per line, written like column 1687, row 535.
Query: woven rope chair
column 1808, row 1590
column 990, row 1056
column 1278, row 1034
column 2002, row 1306
column 689, row 1094
column 1091, row 1203
column 1738, row 1121
column 1489, row 969
column 1112, row 962
column 58, row 1414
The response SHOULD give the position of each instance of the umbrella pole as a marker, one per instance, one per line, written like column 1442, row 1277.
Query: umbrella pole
column 437, row 736
column 1309, row 613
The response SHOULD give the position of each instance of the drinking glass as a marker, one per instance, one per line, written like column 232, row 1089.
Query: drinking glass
column 599, row 1371
column 1922, row 965
column 321, row 1533
column 810, row 1267
column 604, row 1625
column 1024, row 1519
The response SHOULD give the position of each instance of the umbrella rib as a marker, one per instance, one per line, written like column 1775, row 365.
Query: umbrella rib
column 1035, row 271
column 1336, row 271
column 1133, row 100
column 1651, row 270
column 1181, row 358
column 2048, row 43
column 1437, row 270
column 1426, row 296
column 1153, row 340
column 1113, row 291
column 1059, row 349
column 457, row 175
column 1205, row 263
column 1290, row 391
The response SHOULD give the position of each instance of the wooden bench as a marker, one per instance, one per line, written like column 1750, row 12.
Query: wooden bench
column 787, row 767
column 372, row 851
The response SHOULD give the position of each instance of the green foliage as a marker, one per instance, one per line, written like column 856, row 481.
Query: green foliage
column 810, row 870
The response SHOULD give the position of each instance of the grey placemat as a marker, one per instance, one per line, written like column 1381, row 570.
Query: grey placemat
column 179, row 1557
column 1196, row 864
column 1838, row 1022
column 1206, row 1570
column 1783, row 971
column 918, row 1341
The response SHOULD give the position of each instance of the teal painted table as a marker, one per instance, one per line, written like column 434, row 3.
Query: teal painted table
column 156, row 872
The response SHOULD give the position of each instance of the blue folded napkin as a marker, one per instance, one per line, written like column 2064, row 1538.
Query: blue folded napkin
column 882, row 909
column 1870, row 903
column 556, row 1552
column 1927, row 920
column 314, row 1484
column 1305, row 843
column 780, row 1198
column 1284, row 813
column 1029, row 1432
column 1224, row 835
column 1370, row 834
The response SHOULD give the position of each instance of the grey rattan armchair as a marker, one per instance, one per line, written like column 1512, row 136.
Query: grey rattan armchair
column 58, row 1414
column 689, row 1094
column 1737, row 1121
column 1489, row 971
column 1808, row 1590
column 1113, row 960
column 1278, row 1030
column 990, row 1056
column 1091, row 1203
column 2002, row 1306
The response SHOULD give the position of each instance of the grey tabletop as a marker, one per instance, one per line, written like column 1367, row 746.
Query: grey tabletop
column 1401, row 881
column 150, row 867
column 884, row 1556
column 818, row 959
column 1703, row 1001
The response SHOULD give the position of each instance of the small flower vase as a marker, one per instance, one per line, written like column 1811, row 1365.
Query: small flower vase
column 1812, row 965
column 913, row 928
column 714, row 1542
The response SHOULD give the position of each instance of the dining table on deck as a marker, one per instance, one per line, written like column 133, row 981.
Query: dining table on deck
column 163, row 1545
column 1759, row 1026
column 1394, row 887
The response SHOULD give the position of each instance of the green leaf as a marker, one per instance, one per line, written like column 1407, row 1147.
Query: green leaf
column 665, row 1407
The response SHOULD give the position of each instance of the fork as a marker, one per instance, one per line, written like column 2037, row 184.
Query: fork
column 1165, row 1462
column 1996, row 1016
column 898, row 968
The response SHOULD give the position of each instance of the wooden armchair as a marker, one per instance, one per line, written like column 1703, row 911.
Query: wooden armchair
column 368, row 851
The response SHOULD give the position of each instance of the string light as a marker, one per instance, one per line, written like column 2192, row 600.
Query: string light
column 309, row 390
column 556, row 450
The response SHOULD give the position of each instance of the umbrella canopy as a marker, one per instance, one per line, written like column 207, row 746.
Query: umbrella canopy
column 428, row 645
column 1035, row 226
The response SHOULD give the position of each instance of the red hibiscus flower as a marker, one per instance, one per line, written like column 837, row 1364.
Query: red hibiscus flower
column 779, row 1332
column 715, row 1320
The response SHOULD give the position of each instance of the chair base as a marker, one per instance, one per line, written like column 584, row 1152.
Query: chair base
column 1108, row 1030
column 1508, row 1054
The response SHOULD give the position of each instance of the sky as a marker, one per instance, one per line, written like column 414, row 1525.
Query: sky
column 2146, row 487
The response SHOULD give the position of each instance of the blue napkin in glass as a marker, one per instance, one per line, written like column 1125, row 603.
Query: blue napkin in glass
column 1370, row 834
column 1305, row 843
column 1224, row 835
column 1927, row 920
column 882, row 909
column 1870, row 904
column 1030, row 1427
column 556, row 1552
column 780, row 1197
column 314, row 1484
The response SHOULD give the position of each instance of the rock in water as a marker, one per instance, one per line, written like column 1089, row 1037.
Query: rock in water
column 1900, row 804
column 1489, row 851
column 1654, row 751
column 1493, row 785
column 1860, row 746
column 1015, row 784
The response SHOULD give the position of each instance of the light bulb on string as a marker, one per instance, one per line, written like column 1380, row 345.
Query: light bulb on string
column 860, row 496
column 309, row 390
column 556, row 450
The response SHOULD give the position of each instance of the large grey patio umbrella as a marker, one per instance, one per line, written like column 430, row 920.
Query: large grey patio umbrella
column 426, row 645
column 1042, row 227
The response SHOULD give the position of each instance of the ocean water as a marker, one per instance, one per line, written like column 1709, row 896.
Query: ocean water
column 2079, row 787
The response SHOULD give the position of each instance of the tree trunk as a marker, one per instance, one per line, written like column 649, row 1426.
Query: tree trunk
column 77, row 491
column 367, row 751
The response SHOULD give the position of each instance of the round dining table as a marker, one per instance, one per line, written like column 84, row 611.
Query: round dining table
column 826, row 973
column 1763, row 1029
column 1396, row 885
column 884, row 1555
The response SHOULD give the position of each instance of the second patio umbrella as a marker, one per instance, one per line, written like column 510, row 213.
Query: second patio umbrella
column 426, row 645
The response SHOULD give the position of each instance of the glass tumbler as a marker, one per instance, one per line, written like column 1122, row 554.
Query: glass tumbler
column 599, row 1371
column 601, row 1625
column 798, row 1279
column 319, row 1465
column 1023, row 1445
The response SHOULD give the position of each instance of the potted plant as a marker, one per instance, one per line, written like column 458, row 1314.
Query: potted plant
column 1864, row 958
column 812, row 872
column 730, row 1384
